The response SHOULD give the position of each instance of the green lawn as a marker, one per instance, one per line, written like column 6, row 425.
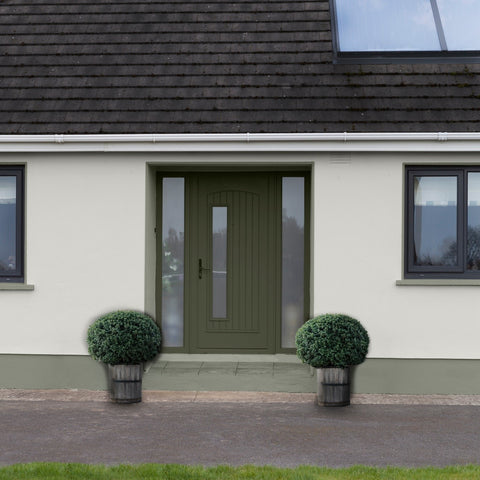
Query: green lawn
column 73, row 471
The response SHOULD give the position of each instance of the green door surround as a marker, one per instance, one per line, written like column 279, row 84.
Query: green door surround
column 201, row 194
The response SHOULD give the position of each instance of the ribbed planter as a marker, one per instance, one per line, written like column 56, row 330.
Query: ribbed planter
column 125, row 382
column 333, row 387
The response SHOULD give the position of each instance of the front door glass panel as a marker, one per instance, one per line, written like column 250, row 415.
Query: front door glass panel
column 219, row 262
column 173, row 219
column 293, row 252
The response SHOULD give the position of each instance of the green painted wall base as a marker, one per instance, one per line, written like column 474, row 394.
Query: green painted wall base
column 52, row 371
column 395, row 376
column 414, row 376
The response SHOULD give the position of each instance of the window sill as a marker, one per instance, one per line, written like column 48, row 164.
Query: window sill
column 16, row 286
column 438, row 282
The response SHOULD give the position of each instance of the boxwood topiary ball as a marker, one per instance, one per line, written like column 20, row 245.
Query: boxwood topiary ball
column 332, row 340
column 124, row 338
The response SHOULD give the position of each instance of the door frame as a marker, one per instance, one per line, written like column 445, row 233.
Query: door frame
column 187, row 172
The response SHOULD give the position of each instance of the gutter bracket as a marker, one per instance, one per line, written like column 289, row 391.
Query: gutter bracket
column 442, row 136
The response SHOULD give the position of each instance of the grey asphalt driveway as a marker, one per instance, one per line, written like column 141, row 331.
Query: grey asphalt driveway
column 281, row 434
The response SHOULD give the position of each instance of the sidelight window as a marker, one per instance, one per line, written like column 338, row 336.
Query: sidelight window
column 293, row 253
column 173, row 228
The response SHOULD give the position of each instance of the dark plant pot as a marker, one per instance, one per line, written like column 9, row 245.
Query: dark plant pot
column 333, row 387
column 125, row 383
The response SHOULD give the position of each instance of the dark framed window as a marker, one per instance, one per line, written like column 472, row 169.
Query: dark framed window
column 11, row 223
column 442, row 222
column 378, row 30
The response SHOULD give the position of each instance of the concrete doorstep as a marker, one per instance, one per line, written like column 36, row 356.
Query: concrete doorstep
column 151, row 396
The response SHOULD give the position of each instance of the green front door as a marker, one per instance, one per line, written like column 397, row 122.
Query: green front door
column 233, row 257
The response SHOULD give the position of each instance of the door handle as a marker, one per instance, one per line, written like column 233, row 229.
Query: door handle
column 201, row 269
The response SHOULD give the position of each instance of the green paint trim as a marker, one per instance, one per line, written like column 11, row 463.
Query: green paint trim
column 307, row 267
column 376, row 375
column 150, row 241
column 438, row 282
column 16, row 286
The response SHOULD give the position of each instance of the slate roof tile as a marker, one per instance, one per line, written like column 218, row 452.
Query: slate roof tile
column 174, row 66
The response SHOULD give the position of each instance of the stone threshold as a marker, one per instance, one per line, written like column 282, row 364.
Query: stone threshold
column 152, row 396
column 229, row 357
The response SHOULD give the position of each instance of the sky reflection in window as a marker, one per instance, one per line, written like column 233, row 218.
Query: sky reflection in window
column 460, row 23
column 386, row 25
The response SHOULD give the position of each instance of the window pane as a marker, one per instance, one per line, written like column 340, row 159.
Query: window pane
column 219, row 262
column 293, row 241
column 386, row 25
column 460, row 23
column 435, row 221
column 8, row 221
column 473, row 213
column 172, row 261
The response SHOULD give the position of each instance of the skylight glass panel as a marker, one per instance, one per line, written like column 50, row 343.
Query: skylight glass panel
column 386, row 25
column 460, row 23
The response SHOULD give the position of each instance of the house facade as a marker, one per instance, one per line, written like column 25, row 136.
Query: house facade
column 234, row 169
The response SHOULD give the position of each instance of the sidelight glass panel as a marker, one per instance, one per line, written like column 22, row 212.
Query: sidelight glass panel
column 219, row 262
column 293, row 245
column 435, row 221
column 8, row 223
column 386, row 25
column 173, row 219
column 473, row 215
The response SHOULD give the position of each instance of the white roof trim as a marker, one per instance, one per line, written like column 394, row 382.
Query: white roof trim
column 274, row 142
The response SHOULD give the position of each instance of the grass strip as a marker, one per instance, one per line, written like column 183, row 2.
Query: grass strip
column 75, row 471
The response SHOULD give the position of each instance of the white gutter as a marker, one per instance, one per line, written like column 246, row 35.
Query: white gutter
column 274, row 142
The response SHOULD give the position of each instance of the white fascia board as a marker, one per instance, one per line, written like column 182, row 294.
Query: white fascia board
column 246, row 142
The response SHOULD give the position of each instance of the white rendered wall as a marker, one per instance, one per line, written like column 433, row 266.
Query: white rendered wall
column 85, row 249
column 86, row 227
column 357, row 252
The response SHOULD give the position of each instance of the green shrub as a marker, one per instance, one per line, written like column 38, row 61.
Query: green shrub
column 124, row 337
column 332, row 340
